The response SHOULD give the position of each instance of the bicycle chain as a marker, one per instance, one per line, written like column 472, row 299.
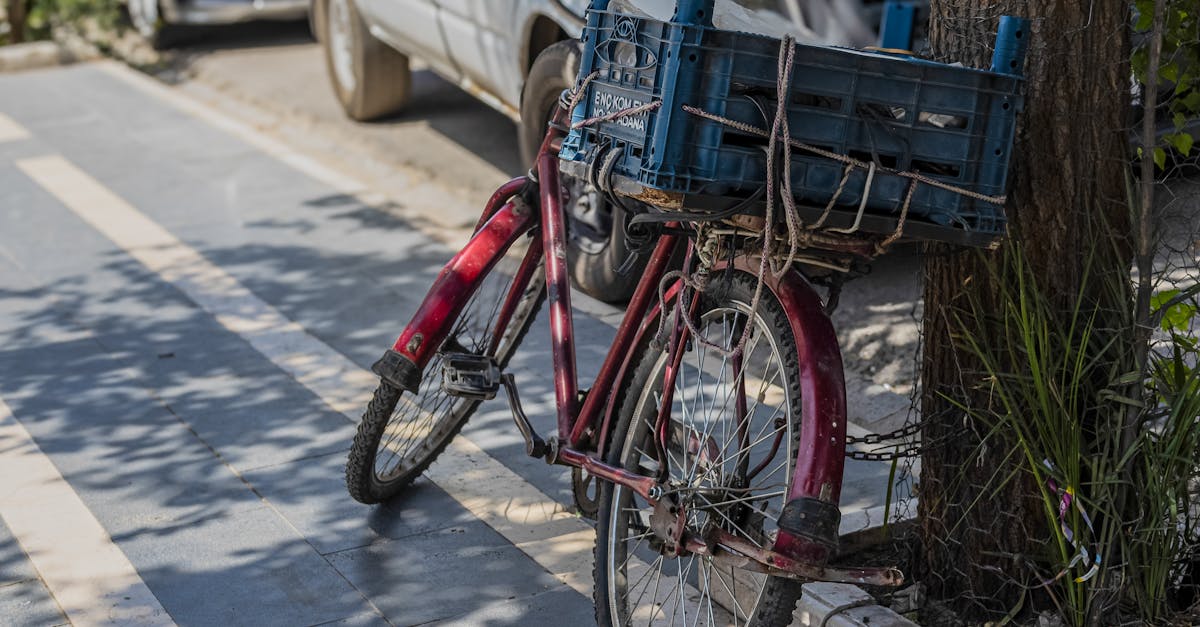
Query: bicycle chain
column 864, row 456
column 902, row 433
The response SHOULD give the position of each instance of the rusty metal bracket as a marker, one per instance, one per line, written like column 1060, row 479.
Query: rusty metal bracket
column 668, row 522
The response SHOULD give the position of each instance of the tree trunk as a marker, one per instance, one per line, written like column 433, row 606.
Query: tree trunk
column 17, row 12
column 1068, row 190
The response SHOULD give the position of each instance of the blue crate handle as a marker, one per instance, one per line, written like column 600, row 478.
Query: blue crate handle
column 697, row 12
column 1012, row 41
column 896, row 28
column 692, row 11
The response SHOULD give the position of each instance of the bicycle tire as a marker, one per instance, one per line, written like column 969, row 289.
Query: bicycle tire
column 777, row 598
column 364, row 480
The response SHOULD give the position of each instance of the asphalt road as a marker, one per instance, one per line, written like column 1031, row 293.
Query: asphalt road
column 189, row 301
column 445, row 136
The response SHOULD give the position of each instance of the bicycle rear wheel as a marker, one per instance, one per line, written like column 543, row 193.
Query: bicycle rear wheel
column 731, row 473
column 401, row 435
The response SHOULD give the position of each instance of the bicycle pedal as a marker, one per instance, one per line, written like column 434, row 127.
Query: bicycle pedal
column 475, row 377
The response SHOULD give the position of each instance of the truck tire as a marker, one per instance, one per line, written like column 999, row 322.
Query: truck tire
column 370, row 78
column 147, row 21
column 596, row 245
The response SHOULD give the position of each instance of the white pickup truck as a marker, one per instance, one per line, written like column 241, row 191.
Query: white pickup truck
column 517, row 56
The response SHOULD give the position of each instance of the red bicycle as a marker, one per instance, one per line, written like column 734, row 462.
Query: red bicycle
column 717, row 421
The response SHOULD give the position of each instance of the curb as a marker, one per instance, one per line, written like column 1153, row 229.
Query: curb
column 42, row 54
column 843, row 605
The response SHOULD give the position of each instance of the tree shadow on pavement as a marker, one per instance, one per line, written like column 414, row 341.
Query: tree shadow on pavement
column 218, row 474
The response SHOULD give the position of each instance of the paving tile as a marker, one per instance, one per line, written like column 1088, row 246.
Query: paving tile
column 265, row 431
column 51, row 366
column 557, row 607
column 14, row 564
column 442, row 574
column 175, row 508
column 312, row 495
column 362, row 620
column 246, row 569
column 28, row 603
column 48, row 238
column 133, row 464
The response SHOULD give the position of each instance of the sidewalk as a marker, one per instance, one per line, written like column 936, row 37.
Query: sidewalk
column 187, row 313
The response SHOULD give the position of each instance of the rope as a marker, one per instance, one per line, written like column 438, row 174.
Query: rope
column 833, row 201
column 754, row 130
column 787, row 57
column 862, row 205
column 616, row 115
column 577, row 96
column 882, row 247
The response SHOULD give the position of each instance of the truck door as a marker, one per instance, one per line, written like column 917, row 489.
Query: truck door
column 410, row 26
column 482, row 38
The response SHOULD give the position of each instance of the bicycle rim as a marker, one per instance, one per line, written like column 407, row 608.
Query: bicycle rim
column 732, row 474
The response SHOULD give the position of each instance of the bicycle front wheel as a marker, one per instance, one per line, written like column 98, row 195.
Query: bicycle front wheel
column 401, row 435
column 730, row 457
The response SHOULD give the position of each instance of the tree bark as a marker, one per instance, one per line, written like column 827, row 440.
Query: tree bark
column 1068, row 192
column 17, row 11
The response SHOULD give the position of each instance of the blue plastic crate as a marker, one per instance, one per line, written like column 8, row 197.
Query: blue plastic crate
column 948, row 123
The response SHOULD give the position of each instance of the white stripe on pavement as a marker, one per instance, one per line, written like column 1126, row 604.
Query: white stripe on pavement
column 90, row 578
column 10, row 130
column 516, row 509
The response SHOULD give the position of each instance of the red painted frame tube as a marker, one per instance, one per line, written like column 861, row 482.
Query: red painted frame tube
column 649, row 323
column 643, row 485
column 499, row 197
column 558, row 292
column 516, row 290
column 628, row 335
column 677, row 346
column 459, row 280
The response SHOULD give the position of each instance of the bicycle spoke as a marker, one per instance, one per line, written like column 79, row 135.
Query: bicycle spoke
column 679, row 601
column 711, row 447
column 712, row 619
column 654, row 568
column 747, row 499
column 737, row 607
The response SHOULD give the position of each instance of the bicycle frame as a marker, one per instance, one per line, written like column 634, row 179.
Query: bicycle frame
column 809, row 523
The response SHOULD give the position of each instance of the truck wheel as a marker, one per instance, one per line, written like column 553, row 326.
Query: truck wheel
column 147, row 21
column 370, row 78
column 596, row 246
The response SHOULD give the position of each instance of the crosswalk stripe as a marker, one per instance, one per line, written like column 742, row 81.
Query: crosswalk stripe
column 88, row 575
column 515, row 508
column 10, row 130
